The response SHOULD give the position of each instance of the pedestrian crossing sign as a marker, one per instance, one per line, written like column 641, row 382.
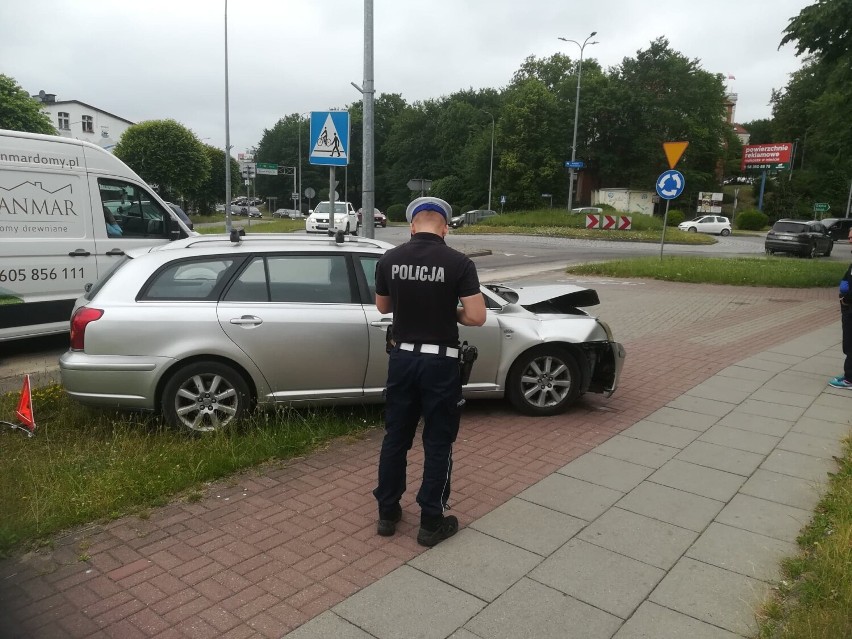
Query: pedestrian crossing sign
column 329, row 138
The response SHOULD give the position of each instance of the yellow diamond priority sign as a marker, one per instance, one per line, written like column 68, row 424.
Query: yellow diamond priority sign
column 673, row 151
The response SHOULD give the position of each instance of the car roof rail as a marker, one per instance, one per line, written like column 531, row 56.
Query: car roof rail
column 238, row 236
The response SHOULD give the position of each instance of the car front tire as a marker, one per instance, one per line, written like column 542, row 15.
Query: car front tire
column 812, row 251
column 205, row 396
column 692, row 229
column 543, row 381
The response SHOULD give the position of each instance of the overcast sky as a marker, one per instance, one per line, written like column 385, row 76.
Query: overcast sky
column 152, row 59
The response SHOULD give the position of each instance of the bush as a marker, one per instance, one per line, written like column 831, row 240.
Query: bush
column 396, row 212
column 675, row 217
column 752, row 220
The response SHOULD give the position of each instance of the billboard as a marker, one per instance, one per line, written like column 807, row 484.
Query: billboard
column 767, row 156
column 709, row 202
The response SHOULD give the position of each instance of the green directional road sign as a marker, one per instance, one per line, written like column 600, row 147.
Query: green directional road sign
column 267, row 169
column 821, row 207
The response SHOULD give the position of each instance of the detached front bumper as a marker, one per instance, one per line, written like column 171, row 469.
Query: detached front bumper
column 608, row 362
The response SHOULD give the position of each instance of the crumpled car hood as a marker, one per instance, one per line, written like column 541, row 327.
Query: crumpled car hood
column 557, row 296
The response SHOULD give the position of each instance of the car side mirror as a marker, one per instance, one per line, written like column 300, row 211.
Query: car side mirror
column 175, row 232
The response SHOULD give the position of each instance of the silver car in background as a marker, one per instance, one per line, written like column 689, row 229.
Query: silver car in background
column 204, row 329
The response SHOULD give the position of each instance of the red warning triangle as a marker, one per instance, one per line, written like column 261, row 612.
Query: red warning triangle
column 24, row 411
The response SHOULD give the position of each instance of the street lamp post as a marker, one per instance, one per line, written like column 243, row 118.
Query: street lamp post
column 491, row 165
column 576, row 116
column 228, row 226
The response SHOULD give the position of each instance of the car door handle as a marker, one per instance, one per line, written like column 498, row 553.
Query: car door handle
column 79, row 253
column 247, row 320
column 115, row 251
column 382, row 323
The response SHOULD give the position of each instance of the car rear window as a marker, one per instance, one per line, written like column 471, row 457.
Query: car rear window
column 97, row 286
column 790, row 227
column 188, row 280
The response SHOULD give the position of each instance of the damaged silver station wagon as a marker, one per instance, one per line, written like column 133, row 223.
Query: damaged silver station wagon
column 204, row 329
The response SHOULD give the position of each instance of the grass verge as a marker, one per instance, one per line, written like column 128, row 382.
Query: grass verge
column 781, row 272
column 278, row 225
column 556, row 223
column 814, row 601
column 85, row 465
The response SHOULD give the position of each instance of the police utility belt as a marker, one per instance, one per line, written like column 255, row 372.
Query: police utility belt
column 432, row 349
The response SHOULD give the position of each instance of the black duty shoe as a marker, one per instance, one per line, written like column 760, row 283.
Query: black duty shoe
column 448, row 527
column 387, row 522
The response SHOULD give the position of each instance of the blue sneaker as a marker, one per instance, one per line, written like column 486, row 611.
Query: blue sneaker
column 840, row 382
column 836, row 379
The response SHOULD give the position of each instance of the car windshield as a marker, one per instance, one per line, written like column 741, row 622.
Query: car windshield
column 323, row 207
column 789, row 227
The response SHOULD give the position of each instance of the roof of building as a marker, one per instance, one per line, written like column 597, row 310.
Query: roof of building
column 89, row 106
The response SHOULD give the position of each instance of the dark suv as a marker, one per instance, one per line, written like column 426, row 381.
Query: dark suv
column 807, row 238
column 838, row 227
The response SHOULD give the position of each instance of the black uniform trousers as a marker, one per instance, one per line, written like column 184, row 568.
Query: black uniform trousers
column 846, row 326
column 428, row 385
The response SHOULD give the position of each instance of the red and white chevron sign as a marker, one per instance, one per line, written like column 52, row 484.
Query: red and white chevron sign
column 608, row 222
column 625, row 222
column 593, row 220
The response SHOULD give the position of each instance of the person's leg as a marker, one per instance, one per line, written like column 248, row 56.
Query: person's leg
column 442, row 401
column 846, row 327
column 402, row 412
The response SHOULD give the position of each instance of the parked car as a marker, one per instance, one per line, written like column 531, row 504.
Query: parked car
column 250, row 211
column 584, row 210
column 220, row 326
column 182, row 215
column 716, row 224
column 290, row 214
column 807, row 238
column 345, row 218
column 456, row 222
column 379, row 218
column 838, row 227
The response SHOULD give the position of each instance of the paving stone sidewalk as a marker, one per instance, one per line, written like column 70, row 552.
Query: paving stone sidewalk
column 688, row 485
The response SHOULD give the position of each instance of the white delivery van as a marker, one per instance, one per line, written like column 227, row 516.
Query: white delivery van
column 68, row 212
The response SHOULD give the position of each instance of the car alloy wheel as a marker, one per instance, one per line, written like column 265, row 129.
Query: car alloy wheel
column 726, row 232
column 204, row 397
column 692, row 229
column 812, row 251
column 543, row 381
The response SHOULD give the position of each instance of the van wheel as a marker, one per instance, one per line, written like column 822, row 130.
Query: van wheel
column 204, row 397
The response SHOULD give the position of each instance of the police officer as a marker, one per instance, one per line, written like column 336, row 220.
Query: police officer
column 421, row 282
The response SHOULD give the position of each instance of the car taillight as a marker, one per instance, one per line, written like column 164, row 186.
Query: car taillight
column 81, row 319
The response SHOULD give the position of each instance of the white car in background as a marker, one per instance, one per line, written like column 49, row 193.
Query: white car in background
column 715, row 224
column 345, row 218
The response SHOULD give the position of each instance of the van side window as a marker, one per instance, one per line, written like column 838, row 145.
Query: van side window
column 131, row 212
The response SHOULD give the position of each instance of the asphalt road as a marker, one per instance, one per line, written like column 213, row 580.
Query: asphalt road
column 510, row 257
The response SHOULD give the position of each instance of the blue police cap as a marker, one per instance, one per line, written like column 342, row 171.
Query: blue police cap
column 428, row 204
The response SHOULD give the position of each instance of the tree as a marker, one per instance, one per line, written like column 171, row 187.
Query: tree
column 212, row 188
column 658, row 96
column 814, row 107
column 822, row 29
column 165, row 154
column 19, row 111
